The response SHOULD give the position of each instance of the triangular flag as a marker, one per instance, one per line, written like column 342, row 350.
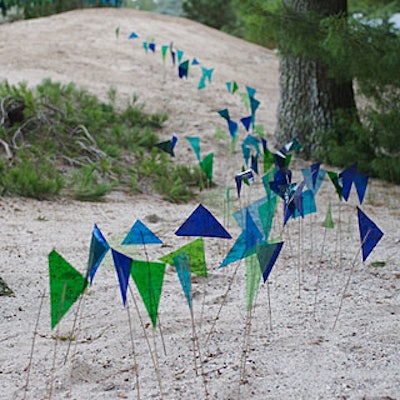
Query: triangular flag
column 224, row 114
column 182, row 266
column 133, row 35
column 206, row 165
column 149, row 277
column 267, row 254
column 145, row 46
column 253, row 277
column 233, row 128
column 179, row 56
column 152, row 47
column 122, row 265
column 140, row 234
column 328, row 221
column 183, row 69
column 164, row 51
column 246, row 122
column 207, row 73
column 370, row 234
column 347, row 180
column 243, row 176
column 202, row 83
column 250, row 91
column 202, row 223
column 360, row 182
column 66, row 285
column 117, row 31
column 195, row 143
column 167, row 147
column 195, row 252
column 98, row 249
column 337, row 183
column 195, row 61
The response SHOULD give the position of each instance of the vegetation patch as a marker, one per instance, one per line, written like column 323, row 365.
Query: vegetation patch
column 60, row 140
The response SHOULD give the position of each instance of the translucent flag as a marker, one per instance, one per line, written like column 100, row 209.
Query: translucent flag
column 98, row 249
column 195, row 253
column 140, row 234
column 122, row 265
column 182, row 266
column 202, row 223
column 370, row 234
column 149, row 277
column 66, row 285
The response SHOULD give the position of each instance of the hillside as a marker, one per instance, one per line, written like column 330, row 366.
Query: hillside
column 292, row 352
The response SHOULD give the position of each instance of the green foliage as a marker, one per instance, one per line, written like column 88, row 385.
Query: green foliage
column 219, row 14
column 365, row 49
column 61, row 140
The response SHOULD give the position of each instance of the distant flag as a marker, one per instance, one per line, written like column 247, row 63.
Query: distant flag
column 173, row 53
column 195, row 61
column 337, row 183
column 97, row 251
column 145, row 46
column 250, row 91
column 179, row 56
column 66, row 285
column 117, row 31
column 328, row 221
column 122, row 265
column 133, row 35
column 164, row 51
column 149, row 277
column 202, row 223
column 194, row 142
column 246, row 122
column 152, row 47
column 224, row 114
column 232, row 87
column 347, row 180
column 168, row 145
column 140, row 234
column 370, row 234
column 206, row 165
column 183, row 69
column 245, row 175
column 206, row 75
column 254, row 163
column 360, row 182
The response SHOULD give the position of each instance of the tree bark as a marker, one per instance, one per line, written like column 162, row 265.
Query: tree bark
column 309, row 100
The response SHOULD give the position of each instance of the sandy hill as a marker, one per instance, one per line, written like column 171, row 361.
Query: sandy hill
column 291, row 351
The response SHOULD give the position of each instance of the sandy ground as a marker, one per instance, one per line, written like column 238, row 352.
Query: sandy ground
column 292, row 352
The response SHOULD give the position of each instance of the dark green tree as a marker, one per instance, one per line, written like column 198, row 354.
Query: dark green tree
column 219, row 14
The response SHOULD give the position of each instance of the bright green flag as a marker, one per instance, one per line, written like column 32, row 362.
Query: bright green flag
column 66, row 285
column 206, row 164
column 149, row 277
column 253, row 278
column 195, row 253
column 328, row 222
column 164, row 50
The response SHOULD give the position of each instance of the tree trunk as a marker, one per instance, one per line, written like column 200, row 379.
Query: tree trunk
column 309, row 100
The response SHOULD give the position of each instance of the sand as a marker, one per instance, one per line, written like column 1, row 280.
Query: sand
column 291, row 349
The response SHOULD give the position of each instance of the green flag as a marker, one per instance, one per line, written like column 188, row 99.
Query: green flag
column 66, row 285
column 328, row 222
column 149, row 277
column 253, row 277
column 195, row 254
column 206, row 164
